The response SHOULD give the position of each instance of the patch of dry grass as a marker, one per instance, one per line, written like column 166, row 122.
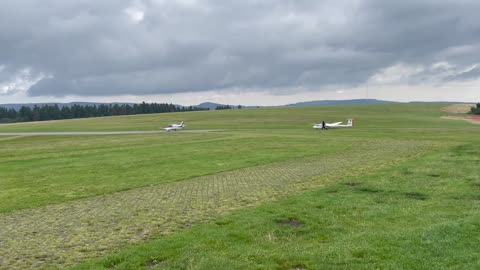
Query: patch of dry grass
column 458, row 108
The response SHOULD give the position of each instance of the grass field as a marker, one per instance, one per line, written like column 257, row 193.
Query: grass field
column 423, row 214
column 400, row 190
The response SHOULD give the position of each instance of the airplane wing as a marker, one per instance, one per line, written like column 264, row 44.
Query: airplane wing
column 333, row 124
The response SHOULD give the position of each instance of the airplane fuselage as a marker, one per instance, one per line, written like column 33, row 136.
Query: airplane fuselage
column 174, row 127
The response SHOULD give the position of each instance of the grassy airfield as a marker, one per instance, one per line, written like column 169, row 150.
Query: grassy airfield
column 400, row 190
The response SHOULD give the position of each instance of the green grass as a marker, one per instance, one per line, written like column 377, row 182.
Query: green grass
column 137, row 214
column 375, row 221
column 377, row 116
column 36, row 171
column 423, row 214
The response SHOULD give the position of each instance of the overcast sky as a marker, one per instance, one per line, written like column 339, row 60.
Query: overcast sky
column 253, row 52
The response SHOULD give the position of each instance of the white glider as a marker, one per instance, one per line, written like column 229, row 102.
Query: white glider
column 334, row 125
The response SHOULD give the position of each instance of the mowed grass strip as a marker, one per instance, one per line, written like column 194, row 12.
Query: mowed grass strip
column 65, row 233
column 423, row 214
column 37, row 171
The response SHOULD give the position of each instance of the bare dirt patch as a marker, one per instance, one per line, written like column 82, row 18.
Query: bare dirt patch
column 371, row 190
column 298, row 267
column 471, row 119
column 352, row 184
column 152, row 264
column 416, row 195
column 458, row 108
column 290, row 222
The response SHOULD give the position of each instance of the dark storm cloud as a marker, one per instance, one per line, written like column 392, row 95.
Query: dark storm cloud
column 113, row 47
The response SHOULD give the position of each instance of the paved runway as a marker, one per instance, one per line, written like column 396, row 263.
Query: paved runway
column 103, row 132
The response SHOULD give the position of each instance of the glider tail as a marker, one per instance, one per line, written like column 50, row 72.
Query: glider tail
column 350, row 122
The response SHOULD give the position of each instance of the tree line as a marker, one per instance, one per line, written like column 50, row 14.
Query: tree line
column 475, row 110
column 55, row 112
column 228, row 107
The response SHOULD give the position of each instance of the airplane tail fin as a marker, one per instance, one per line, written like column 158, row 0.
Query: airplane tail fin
column 182, row 124
column 350, row 122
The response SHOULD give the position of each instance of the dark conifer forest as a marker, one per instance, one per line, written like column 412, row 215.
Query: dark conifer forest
column 55, row 112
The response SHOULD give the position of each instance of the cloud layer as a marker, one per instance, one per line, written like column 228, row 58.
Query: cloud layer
column 124, row 47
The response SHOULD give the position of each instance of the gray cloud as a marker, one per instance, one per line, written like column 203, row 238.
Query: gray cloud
column 472, row 73
column 114, row 47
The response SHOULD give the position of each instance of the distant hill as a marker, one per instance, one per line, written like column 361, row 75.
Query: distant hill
column 209, row 105
column 213, row 105
column 444, row 102
column 341, row 102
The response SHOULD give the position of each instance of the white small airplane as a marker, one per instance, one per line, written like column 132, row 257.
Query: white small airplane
column 174, row 127
column 334, row 125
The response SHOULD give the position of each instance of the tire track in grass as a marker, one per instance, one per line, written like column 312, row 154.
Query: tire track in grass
column 63, row 234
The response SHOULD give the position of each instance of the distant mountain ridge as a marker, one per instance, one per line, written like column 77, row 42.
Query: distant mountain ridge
column 444, row 102
column 209, row 105
column 342, row 102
